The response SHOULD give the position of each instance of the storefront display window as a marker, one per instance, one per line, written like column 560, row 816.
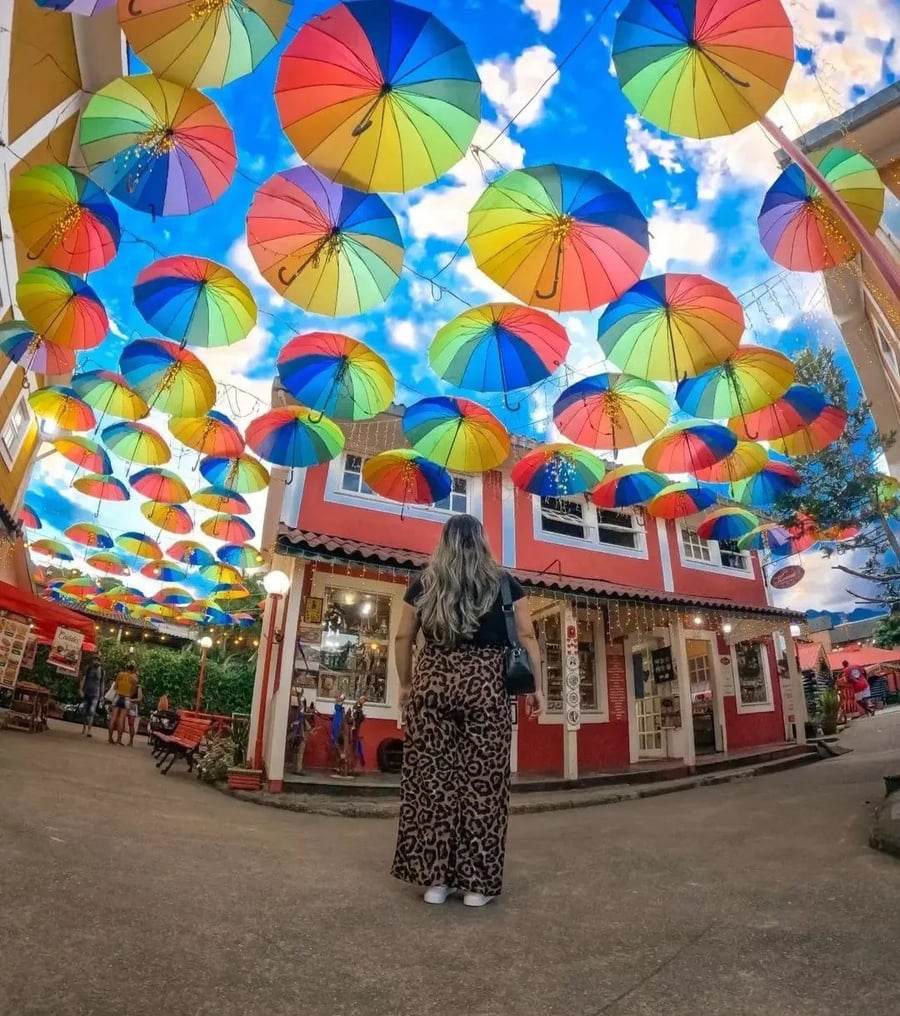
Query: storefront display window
column 550, row 640
column 587, row 661
column 753, row 686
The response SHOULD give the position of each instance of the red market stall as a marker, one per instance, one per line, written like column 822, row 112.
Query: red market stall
column 46, row 616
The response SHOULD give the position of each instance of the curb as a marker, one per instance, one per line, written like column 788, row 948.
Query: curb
column 885, row 832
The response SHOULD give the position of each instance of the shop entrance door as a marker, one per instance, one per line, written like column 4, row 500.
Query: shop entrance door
column 647, row 707
column 703, row 696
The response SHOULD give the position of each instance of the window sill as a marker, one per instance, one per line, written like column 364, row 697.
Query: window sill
column 753, row 707
column 589, row 545
column 716, row 569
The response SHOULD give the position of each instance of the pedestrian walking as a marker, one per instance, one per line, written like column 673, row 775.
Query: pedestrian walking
column 134, row 709
column 855, row 678
column 90, row 690
column 125, row 683
column 454, row 791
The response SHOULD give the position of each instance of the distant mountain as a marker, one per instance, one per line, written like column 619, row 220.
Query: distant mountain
column 859, row 614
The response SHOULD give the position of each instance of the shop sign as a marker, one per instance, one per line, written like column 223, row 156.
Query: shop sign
column 784, row 578
column 65, row 652
column 662, row 665
column 30, row 657
column 617, row 687
column 13, row 641
column 572, row 674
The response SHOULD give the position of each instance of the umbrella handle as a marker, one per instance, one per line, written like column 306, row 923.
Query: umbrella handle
column 554, row 289
column 132, row 9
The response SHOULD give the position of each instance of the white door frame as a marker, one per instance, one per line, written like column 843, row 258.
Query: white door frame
column 717, row 684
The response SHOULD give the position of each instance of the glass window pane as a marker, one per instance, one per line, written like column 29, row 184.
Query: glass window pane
column 550, row 641
column 587, row 661
column 563, row 517
column 751, row 675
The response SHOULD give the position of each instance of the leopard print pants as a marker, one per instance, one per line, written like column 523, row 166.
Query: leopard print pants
column 454, row 791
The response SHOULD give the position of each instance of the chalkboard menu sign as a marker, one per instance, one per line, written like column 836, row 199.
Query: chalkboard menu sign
column 662, row 665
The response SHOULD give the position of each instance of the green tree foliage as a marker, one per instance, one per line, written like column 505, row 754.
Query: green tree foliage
column 887, row 634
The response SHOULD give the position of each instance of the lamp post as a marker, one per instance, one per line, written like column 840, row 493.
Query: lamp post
column 205, row 643
column 276, row 584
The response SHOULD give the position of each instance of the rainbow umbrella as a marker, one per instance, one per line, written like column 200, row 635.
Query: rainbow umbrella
column 29, row 517
column 407, row 477
column 218, row 499
column 336, row 375
column 62, row 308
column 295, row 436
column 101, row 486
column 703, row 69
column 727, row 524
column 680, row 500
column 110, row 394
column 156, row 146
column 498, row 348
column 797, row 408
column 751, row 378
column 170, row 378
column 627, row 486
column 768, row 485
column 85, row 8
column 160, row 485
column 559, row 237
column 688, row 446
column 671, row 326
column 814, row 437
column 240, row 475
column 194, row 300
column 173, row 596
column 60, row 405
column 51, row 548
column 228, row 528
column 110, row 564
column 89, row 535
column 220, row 572
column 204, row 45
column 243, row 619
column 558, row 470
column 31, row 350
column 136, row 442
column 85, row 453
column 212, row 434
column 799, row 229
column 747, row 458
column 766, row 536
column 229, row 591
column 170, row 517
column 64, row 219
column 380, row 96
column 79, row 589
column 611, row 411
column 163, row 571
column 191, row 553
column 243, row 556
column 456, row 433
column 140, row 545
column 326, row 248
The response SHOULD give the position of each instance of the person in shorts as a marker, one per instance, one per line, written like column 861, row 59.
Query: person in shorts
column 125, row 684
column 90, row 690
column 134, row 708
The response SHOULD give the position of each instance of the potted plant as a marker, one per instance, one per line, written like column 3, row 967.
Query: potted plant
column 829, row 708
column 239, row 776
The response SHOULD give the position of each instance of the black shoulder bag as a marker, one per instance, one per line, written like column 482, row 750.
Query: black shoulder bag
column 519, row 675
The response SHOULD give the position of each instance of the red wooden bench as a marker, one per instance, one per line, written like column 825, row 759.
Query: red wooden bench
column 184, row 742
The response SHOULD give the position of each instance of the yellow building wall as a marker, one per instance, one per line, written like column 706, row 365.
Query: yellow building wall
column 12, row 479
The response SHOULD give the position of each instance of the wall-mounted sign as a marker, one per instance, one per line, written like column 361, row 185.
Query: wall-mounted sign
column 662, row 665
column 784, row 578
column 65, row 652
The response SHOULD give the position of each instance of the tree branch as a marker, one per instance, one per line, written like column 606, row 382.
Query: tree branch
column 877, row 579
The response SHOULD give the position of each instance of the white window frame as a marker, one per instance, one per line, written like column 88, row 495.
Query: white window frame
column 10, row 453
column 753, row 707
column 715, row 557
column 601, row 713
column 591, row 540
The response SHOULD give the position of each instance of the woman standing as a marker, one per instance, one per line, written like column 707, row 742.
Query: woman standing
column 454, row 792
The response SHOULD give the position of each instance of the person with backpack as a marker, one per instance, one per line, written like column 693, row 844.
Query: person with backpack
column 90, row 690
column 855, row 678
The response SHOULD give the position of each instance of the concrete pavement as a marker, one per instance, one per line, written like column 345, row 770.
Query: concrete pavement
column 124, row 892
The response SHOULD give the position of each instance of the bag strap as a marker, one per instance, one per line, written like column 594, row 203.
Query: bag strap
column 508, row 610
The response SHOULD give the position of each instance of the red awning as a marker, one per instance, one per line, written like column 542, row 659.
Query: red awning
column 862, row 656
column 47, row 616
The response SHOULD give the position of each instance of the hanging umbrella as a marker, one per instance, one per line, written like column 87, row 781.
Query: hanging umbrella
column 703, row 69
column 85, row 8
column 799, row 229
column 688, row 446
column 241, row 475
column 498, row 348
column 51, row 548
column 60, row 405
column 79, row 589
column 295, row 436
column 136, row 442
column 456, row 433
column 109, row 394
column 204, row 45
column 766, row 536
column 799, row 406
column 396, row 99
column 194, row 300
column 627, row 486
column 747, row 458
column 170, row 378
column 29, row 517
column 407, row 477
column 157, row 147
column 191, row 553
column 64, row 219
column 31, row 350
column 751, row 378
column 170, row 517
column 163, row 571
column 110, row 564
column 89, row 535
column 671, row 326
column 218, row 573
column 611, row 411
column 680, row 500
column 102, row 487
column 62, row 308
column 140, row 545
column 244, row 556
column 336, row 375
column 160, row 485
column 229, row 591
column 768, row 485
column 218, row 499
column 228, row 528
column 727, row 524
column 85, row 453
column 212, row 434
column 126, row 595
column 558, row 470
column 172, row 596
column 814, row 437
column 326, row 248
column 559, row 237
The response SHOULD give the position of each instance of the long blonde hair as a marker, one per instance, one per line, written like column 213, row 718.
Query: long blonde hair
column 460, row 583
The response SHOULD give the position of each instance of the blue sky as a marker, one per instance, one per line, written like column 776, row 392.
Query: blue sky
column 701, row 200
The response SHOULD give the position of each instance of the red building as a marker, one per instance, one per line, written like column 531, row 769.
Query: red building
column 656, row 644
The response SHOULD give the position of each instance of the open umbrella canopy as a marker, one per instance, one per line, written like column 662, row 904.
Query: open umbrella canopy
column 160, row 485
column 324, row 247
column 63, row 219
column 407, row 477
column 797, row 408
column 191, row 553
column 101, row 486
column 62, row 406
column 243, row 556
column 20, row 343
column 751, row 378
column 203, row 45
column 680, row 500
column 140, row 545
column 336, row 375
column 766, row 536
column 627, row 486
column 229, row 591
column 241, row 475
column 171, row 518
column 703, row 68
column 86, row 8
column 110, row 394
column 688, row 446
column 228, row 528
column 29, row 517
column 163, row 571
column 79, row 589
column 195, row 300
column 51, row 548
column 558, row 470
column 769, row 484
column 456, row 433
column 671, row 326
column 498, row 347
column 212, row 434
column 559, row 237
column 747, row 458
column 727, row 524
column 89, row 535
column 136, row 442
column 826, row 428
column 221, row 572
column 156, row 146
column 295, row 436
column 109, row 563
column 126, row 594
column 168, row 377
column 172, row 596
column 62, row 308
column 611, row 411
column 218, row 499
column 380, row 96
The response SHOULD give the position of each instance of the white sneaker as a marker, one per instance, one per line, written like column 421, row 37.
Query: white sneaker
column 476, row 900
column 437, row 894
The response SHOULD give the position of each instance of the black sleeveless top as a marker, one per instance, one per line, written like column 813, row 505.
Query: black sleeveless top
column 492, row 628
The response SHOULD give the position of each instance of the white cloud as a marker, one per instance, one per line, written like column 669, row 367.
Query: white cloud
column 403, row 334
column 643, row 143
column 680, row 238
column 241, row 261
column 544, row 12
column 509, row 83
column 823, row 587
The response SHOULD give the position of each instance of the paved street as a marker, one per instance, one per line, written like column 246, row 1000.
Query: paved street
column 124, row 892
